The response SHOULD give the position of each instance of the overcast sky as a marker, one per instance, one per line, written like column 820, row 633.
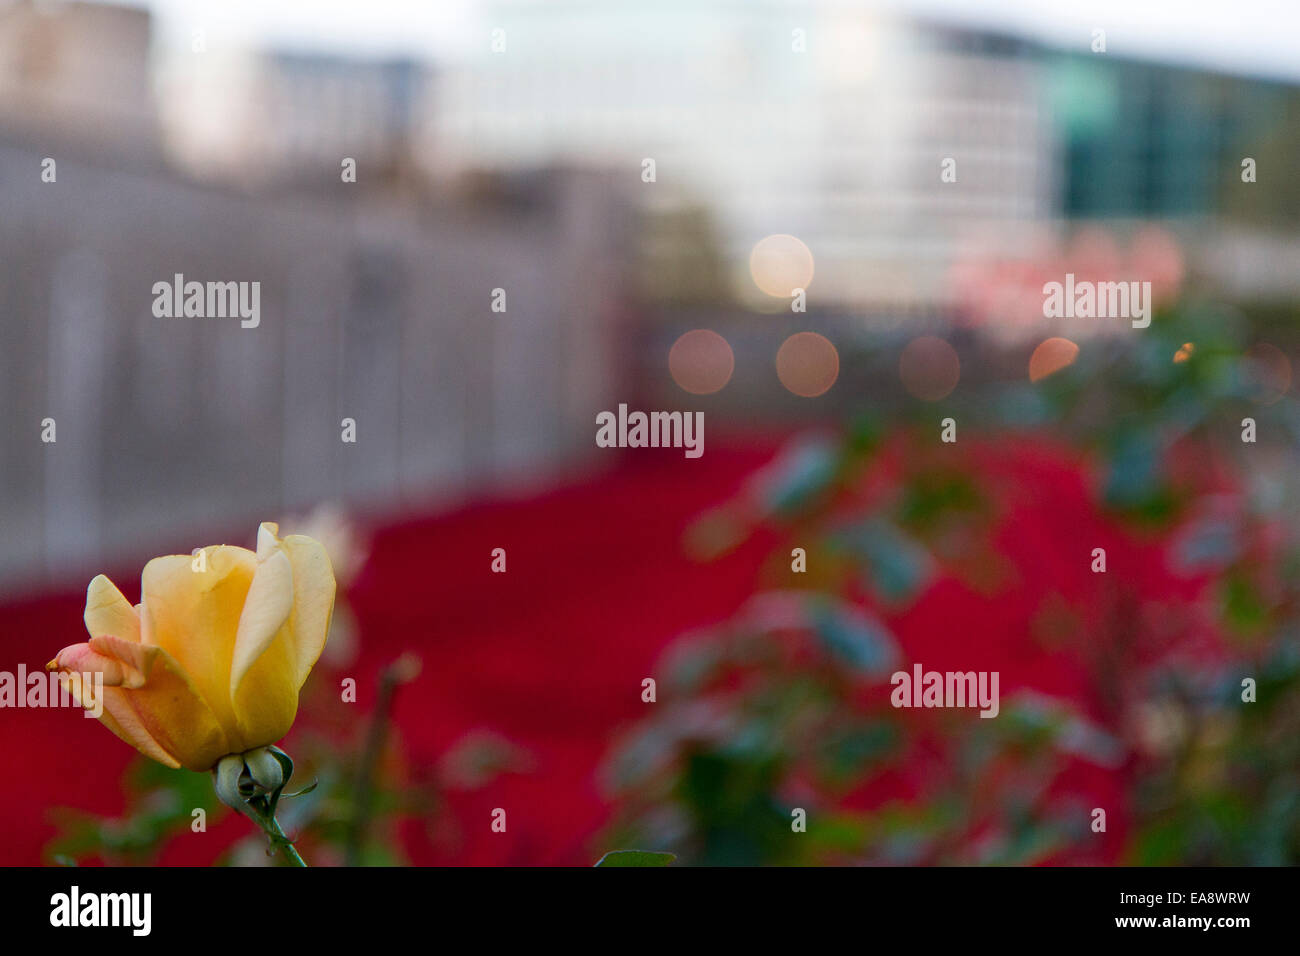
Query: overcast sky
column 1258, row 37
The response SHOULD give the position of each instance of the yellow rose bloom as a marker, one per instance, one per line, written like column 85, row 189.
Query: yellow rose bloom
column 211, row 660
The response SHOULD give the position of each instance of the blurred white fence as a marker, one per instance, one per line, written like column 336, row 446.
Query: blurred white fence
column 370, row 310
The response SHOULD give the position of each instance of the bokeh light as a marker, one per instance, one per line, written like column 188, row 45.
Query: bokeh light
column 1050, row 357
column 929, row 368
column 780, row 264
column 701, row 362
column 1267, row 373
column 807, row 364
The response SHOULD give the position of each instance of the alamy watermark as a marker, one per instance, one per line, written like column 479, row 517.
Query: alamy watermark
column 1100, row 300
column 208, row 300
column 651, row 430
column 75, row 908
column 923, row 688
column 52, row 689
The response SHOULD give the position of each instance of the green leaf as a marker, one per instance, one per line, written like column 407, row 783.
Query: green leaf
column 898, row 568
column 854, row 637
column 1134, row 475
column 799, row 475
column 635, row 858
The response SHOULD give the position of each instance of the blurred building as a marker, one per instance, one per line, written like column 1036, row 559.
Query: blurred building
column 78, row 73
column 375, row 306
column 831, row 123
column 824, row 122
column 1152, row 142
column 289, row 119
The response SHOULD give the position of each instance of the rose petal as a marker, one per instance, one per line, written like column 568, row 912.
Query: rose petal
column 266, row 610
column 194, row 616
column 313, row 600
column 84, row 659
column 268, row 539
column 108, row 612
column 162, row 715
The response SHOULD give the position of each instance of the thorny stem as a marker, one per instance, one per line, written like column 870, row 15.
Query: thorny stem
column 268, row 823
